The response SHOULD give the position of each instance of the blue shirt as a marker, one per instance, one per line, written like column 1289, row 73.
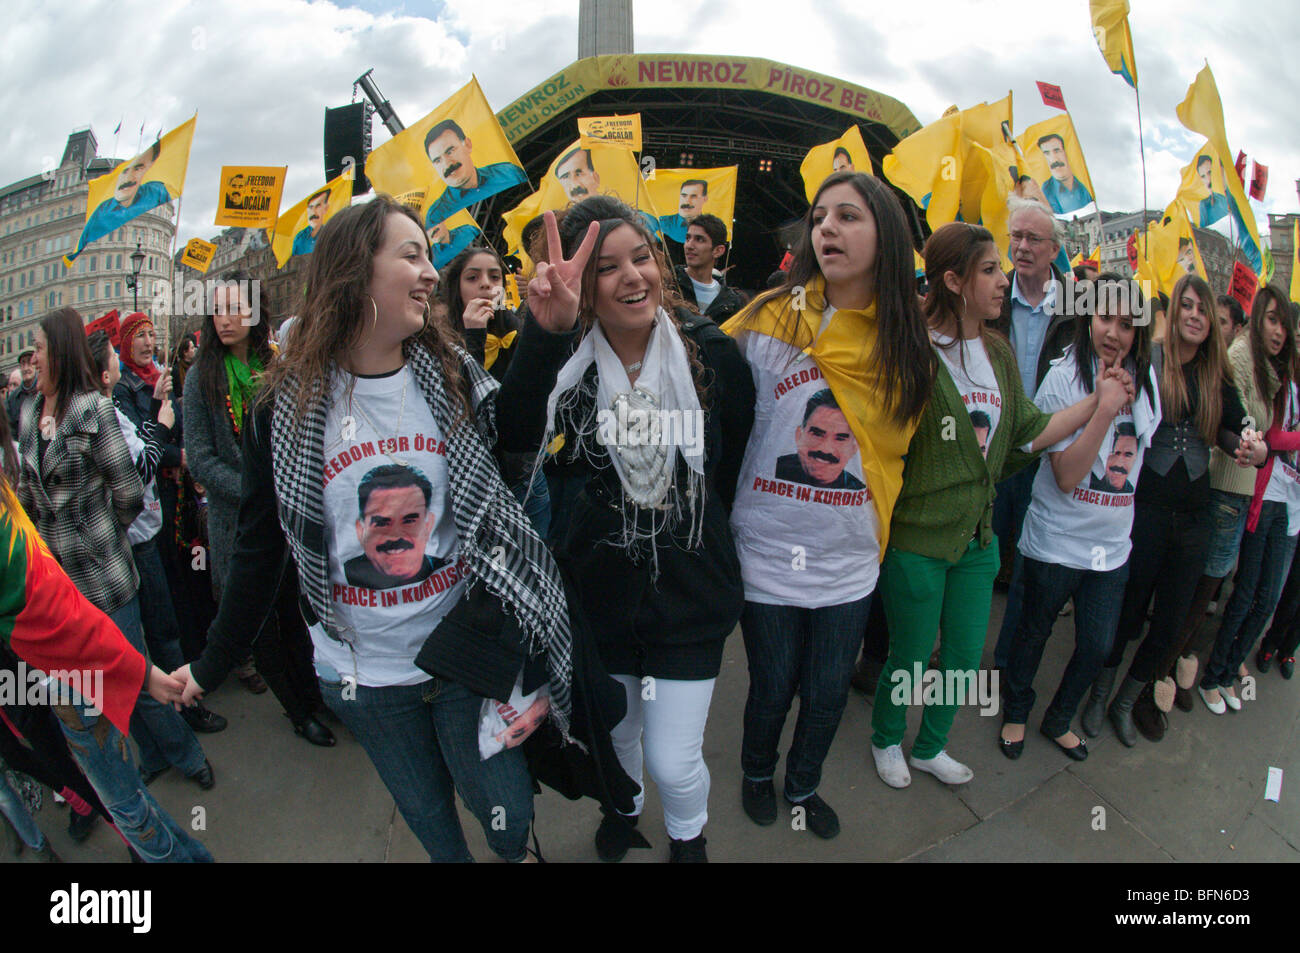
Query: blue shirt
column 1218, row 205
column 111, row 216
column 674, row 227
column 1028, row 330
column 492, row 179
column 303, row 243
column 1062, row 200
column 457, row 242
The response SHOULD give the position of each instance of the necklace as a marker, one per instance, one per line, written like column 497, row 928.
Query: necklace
column 391, row 440
column 633, row 368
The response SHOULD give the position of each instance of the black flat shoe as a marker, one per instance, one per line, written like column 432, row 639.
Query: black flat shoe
column 315, row 732
column 1011, row 749
column 758, row 798
column 80, row 826
column 1078, row 753
column 149, row 777
column 203, row 721
column 204, row 777
column 617, row 835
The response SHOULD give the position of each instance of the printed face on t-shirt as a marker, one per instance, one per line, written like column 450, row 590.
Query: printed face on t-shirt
column 1120, row 462
column 983, row 426
column 825, row 445
column 394, row 530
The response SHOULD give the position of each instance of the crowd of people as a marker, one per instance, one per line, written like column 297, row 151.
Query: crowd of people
column 500, row 546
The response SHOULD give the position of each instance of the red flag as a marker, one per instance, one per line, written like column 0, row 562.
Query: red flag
column 1241, row 165
column 1051, row 95
column 1133, row 250
column 1258, row 181
column 1243, row 286
column 108, row 323
column 786, row 262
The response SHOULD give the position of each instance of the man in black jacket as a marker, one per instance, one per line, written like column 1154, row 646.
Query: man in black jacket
column 706, row 244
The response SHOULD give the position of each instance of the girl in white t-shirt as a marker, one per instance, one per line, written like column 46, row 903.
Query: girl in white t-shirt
column 1075, row 540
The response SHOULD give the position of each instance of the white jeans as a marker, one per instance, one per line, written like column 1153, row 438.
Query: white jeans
column 671, row 714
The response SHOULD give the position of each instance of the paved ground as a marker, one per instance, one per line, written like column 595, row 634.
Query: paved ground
column 1196, row 796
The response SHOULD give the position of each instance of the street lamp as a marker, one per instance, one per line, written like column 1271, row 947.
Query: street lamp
column 137, row 265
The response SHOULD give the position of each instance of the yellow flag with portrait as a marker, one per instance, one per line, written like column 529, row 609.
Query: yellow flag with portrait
column 682, row 194
column 295, row 232
column 848, row 152
column 1054, row 159
column 1114, row 38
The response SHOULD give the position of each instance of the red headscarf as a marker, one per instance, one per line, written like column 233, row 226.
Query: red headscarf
column 132, row 325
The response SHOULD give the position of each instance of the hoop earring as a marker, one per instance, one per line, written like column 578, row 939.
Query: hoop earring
column 373, row 324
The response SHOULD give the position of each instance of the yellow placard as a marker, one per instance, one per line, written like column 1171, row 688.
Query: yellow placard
column 1054, row 159
column 249, row 195
column 622, row 131
column 153, row 178
column 198, row 255
column 512, row 292
column 294, row 232
column 692, row 192
column 847, row 152
column 457, row 155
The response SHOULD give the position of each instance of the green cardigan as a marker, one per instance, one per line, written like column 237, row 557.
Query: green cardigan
column 948, row 485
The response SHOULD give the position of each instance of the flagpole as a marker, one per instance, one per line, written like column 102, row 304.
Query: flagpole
column 1142, row 150
column 171, row 260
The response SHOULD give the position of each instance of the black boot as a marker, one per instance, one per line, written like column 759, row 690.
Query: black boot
column 1095, row 710
column 1121, row 710
column 1147, row 717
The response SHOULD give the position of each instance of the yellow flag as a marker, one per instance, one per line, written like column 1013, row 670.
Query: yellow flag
column 1170, row 250
column 1202, row 111
column 1295, row 262
column 152, row 178
column 448, row 239
column 1114, row 39
column 927, row 166
column 846, row 152
column 198, row 255
column 457, row 155
column 294, row 232
column 249, row 196
column 1054, row 159
column 622, row 131
column 692, row 192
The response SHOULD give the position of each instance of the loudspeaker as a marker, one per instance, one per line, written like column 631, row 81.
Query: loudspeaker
column 347, row 137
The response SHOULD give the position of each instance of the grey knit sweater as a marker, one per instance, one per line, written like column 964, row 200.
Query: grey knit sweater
column 215, row 462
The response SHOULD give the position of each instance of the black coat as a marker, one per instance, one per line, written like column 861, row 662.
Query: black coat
column 135, row 399
column 726, row 304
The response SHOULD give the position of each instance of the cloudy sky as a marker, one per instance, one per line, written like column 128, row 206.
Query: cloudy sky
column 261, row 72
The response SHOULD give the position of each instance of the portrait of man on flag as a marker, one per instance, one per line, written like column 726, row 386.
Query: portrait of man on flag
column 1055, row 161
column 295, row 232
column 848, row 152
column 448, row 239
column 692, row 192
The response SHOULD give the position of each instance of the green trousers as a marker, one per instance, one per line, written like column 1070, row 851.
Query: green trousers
column 925, row 596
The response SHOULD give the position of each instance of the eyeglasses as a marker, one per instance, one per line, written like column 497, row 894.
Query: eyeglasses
column 1028, row 238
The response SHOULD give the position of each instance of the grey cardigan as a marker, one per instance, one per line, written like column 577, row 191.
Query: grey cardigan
column 215, row 462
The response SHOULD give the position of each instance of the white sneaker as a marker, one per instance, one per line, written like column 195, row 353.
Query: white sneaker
column 1230, row 698
column 891, row 766
column 943, row 767
column 1218, row 706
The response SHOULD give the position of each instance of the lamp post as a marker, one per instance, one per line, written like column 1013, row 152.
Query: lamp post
column 137, row 265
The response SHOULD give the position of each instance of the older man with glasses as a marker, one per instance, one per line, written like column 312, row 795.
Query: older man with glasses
column 1038, row 321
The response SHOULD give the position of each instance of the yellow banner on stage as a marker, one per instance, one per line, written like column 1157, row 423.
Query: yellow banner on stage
column 1054, row 159
column 295, row 232
column 198, row 255
column 692, row 192
column 622, row 131
column 153, row 178
column 249, row 196
column 846, row 152
column 457, row 154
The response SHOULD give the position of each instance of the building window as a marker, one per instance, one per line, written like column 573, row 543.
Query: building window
column 117, row 289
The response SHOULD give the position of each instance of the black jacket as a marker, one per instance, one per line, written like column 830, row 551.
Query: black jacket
column 502, row 323
column 135, row 399
column 1060, row 327
column 726, row 304
column 674, row 627
column 14, row 405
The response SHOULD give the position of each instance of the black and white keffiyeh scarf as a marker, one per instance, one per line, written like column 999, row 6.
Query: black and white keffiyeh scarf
column 496, row 541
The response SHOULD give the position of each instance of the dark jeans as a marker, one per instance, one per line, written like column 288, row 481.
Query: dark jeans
column 423, row 741
column 1097, row 600
column 40, row 750
column 535, row 498
column 1283, row 635
column 1009, row 509
column 283, row 654
column 157, row 614
column 1167, row 559
column 808, row 652
column 1254, row 596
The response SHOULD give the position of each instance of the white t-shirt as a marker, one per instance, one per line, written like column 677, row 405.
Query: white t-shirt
column 1088, row 528
column 804, row 539
column 1284, row 481
column 976, row 383
column 145, row 526
column 393, row 571
column 704, row 294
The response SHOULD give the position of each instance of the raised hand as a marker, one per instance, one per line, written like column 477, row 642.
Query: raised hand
column 478, row 312
column 164, row 385
column 553, row 293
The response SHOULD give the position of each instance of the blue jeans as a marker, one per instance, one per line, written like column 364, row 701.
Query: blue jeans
column 423, row 741
column 535, row 498
column 105, row 758
column 1254, row 596
column 1009, row 509
column 12, row 807
column 1098, row 597
column 160, row 732
column 1229, row 511
column 157, row 614
column 808, row 652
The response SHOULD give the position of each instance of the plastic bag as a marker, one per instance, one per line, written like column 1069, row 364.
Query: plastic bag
column 502, row 726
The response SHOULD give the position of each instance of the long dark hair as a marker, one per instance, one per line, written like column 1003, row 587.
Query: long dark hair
column 449, row 284
column 1285, row 361
column 902, row 355
column 1107, row 290
column 335, row 315
column 67, row 356
column 954, row 247
column 179, row 368
column 209, row 371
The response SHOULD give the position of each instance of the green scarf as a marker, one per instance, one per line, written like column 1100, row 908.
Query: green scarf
column 243, row 381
